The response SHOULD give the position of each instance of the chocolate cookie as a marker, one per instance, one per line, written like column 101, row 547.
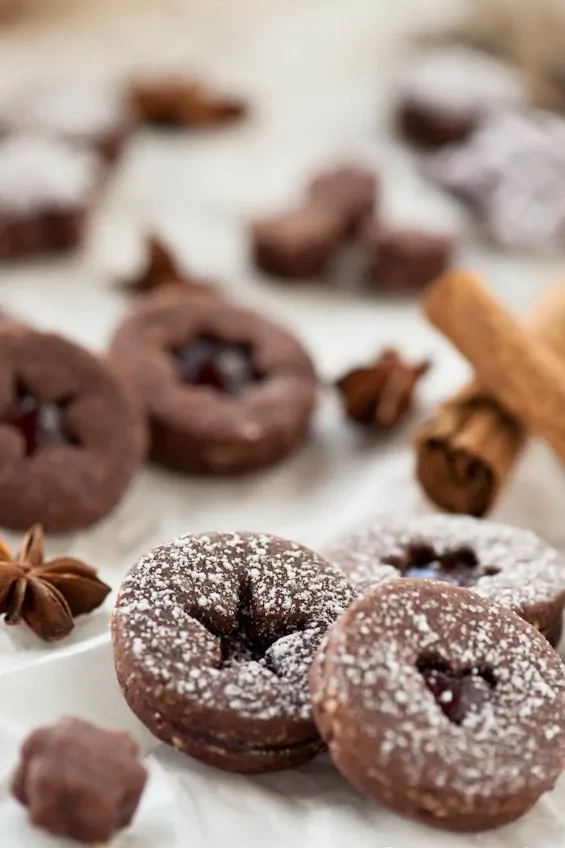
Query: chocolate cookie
column 445, row 93
column 300, row 243
column 213, row 639
column 511, row 172
column 224, row 389
column 402, row 258
column 71, row 438
column 351, row 191
column 47, row 186
column 441, row 705
column 79, row 781
column 93, row 116
column 512, row 567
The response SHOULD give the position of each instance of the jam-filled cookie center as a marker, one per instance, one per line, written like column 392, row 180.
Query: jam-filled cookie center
column 457, row 693
column 39, row 423
column 225, row 366
column 459, row 566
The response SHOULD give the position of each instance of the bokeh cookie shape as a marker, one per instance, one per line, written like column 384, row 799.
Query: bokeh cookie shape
column 47, row 187
column 71, row 436
column 95, row 116
column 512, row 567
column 79, row 781
column 225, row 390
column 445, row 93
column 441, row 705
column 511, row 173
column 214, row 635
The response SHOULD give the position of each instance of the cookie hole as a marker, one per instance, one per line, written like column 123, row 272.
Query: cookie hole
column 224, row 366
column 459, row 566
column 459, row 694
column 39, row 423
column 248, row 642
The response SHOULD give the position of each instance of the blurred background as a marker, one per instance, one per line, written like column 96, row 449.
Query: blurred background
column 325, row 82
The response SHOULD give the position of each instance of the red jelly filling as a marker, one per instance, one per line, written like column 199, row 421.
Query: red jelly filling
column 225, row 366
column 38, row 423
column 457, row 693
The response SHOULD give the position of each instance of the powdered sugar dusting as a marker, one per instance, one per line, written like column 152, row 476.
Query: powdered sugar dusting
column 461, row 81
column 181, row 602
column 38, row 172
column 530, row 573
column 512, row 170
column 374, row 703
column 76, row 111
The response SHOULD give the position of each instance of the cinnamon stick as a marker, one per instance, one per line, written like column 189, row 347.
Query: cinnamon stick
column 465, row 454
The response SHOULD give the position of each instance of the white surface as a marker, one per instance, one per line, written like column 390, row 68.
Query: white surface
column 318, row 72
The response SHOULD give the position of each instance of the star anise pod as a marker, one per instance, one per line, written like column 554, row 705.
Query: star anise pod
column 160, row 271
column 379, row 394
column 177, row 102
column 46, row 595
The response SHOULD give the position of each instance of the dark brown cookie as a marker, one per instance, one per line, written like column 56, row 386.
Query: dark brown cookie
column 79, row 781
column 401, row 259
column 47, row 187
column 441, row 705
column 350, row 191
column 298, row 244
column 445, row 93
column 71, row 438
column 96, row 117
column 512, row 567
column 224, row 389
column 511, row 173
column 213, row 639
column 431, row 125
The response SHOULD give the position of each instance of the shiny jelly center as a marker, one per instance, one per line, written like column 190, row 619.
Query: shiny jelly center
column 458, row 694
column 459, row 567
column 225, row 366
column 38, row 423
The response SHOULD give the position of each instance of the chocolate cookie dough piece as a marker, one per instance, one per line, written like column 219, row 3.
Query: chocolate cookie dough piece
column 213, row 638
column 79, row 781
column 402, row 259
column 441, row 705
column 93, row 116
column 429, row 125
column 444, row 94
column 224, row 389
column 71, row 438
column 350, row 191
column 47, row 186
column 298, row 244
column 512, row 567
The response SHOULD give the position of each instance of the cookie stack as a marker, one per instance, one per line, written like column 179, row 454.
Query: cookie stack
column 341, row 211
column 439, row 698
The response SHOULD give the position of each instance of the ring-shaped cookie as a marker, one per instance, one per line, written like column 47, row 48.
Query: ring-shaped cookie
column 196, row 425
column 214, row 635
column 71, row 437
column 510, row 566
column 441, row 705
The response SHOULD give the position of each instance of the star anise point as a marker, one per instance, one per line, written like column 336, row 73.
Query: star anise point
column 46, row 595
column 379, row 394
